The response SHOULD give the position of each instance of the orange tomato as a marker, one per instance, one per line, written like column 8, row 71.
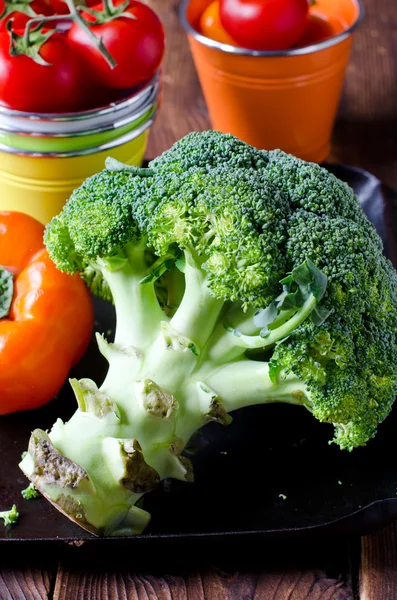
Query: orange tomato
column 49, row 323
column 211, row 26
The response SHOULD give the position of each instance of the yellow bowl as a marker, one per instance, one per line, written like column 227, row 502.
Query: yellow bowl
column 40, row 186
column 43, row 158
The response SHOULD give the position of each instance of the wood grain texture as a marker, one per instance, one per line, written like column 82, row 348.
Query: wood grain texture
column 366, row 130
column 286, row 570
column 24, row 581
column 183, row 107
column 194, row 584
column 378, row 575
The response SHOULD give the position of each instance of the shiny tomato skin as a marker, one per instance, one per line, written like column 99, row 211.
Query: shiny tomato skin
column 317, row 30
column 211, row 26
column 28, row 86
column 59, row 7
column 137, row 46
column 19, row 21
column 264, row 24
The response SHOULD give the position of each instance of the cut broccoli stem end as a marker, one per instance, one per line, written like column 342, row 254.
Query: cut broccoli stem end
column 134, row 439
column 85, row 498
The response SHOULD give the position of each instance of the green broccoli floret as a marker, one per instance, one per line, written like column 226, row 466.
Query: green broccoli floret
column 239, row 277
column 207, row 214
column 10, row 517
column 207, row 150
column 315, row 190
column 30, row 492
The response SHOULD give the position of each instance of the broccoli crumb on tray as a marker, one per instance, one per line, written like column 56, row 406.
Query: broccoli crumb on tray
column 239, row 277
column 9, row 517
column 30, row 493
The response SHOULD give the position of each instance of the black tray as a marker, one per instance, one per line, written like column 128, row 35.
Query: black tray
column 270, row 473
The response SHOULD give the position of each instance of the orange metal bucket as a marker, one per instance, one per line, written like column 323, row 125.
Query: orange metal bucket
column 285, row 99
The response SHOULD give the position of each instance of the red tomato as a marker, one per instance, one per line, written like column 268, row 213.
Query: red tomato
column 264, row 24
column 211, row 26
column 22, row 13
column 59, row 7
column 28, row 86
column 317, row 30
column 137, row 46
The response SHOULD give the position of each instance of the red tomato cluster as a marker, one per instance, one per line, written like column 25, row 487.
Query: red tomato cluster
column 263, row 24
column 89, row 56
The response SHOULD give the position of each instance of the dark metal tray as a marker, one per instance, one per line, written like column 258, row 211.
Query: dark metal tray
column 270, row 473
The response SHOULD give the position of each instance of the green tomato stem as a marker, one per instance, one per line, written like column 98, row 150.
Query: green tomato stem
column 97, row 41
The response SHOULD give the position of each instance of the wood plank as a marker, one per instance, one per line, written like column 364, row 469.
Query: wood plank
column 183, row 106
column 22, row 580
column 207, row 584
column 264, row 570
column 378, row 576
column 366, row 130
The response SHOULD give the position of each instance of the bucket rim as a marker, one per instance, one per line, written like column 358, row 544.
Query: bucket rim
column 336, row 39
column 118, row 141
column 137, row 97
column 106, row 126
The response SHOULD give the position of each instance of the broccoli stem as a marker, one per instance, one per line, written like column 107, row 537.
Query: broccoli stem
column 236, row 385
column 138, row 313
column 247, row 382
column 229, row 344
column 242, row 320
column 221, row 348
column 198, row 311
column 257, row 341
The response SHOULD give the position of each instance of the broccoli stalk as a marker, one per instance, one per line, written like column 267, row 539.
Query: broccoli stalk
column 235, row 281
column 162, row 385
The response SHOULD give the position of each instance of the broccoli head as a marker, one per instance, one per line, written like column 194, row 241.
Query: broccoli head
column 239, row 277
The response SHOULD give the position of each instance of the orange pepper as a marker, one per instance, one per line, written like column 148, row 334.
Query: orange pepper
column 49, row 323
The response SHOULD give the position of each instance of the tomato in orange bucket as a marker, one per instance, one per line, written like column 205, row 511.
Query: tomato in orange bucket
column 284, row 99
column 318, row 29
column 211, row 26
column 264, row 24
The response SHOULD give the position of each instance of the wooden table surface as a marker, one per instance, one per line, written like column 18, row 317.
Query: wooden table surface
column 337, row 569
